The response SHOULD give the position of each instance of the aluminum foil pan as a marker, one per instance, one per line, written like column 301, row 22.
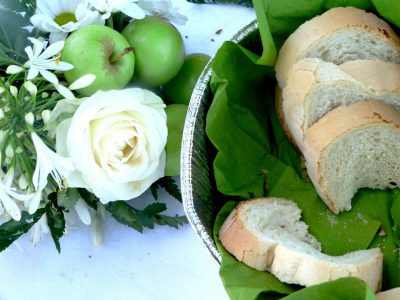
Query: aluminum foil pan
column 200, row 198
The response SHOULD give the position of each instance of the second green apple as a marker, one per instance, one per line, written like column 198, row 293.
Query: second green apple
column 158, row 47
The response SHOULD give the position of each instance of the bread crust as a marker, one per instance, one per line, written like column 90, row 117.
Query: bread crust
column 290, row 265
column 281, row 116
column 300, row 82
column 392, row 294
column 376, row 74
column 242, row 244
column 306, row 270
column 316, row 29
column 303, row 78
column 336, row 123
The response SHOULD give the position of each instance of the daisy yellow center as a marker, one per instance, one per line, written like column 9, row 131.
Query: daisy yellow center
column 64, row 18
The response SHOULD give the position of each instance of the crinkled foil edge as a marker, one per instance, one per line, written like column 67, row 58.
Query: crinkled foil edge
column 197, row 99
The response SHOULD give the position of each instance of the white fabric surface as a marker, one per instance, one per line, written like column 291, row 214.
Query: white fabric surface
column 164, row 263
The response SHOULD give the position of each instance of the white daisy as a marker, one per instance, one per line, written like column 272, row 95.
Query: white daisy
column 49, row 59
column 163, row 9
column 128, row 7
column 63, row 16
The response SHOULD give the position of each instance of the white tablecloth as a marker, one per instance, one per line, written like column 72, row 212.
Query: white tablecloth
column 164, row 263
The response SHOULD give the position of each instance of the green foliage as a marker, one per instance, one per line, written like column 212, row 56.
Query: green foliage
column 395, row 211
column 13, row 32
column 390, row 9
column 90, row 199
column 56, row 222
column 169, row 185
column 336, row 289
column 10, row 231
column 67, row 198
column 148, row 217
column 231, row 113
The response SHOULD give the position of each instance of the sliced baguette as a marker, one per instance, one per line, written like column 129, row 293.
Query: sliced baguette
column 352, row 147
column 392, row 294
column 340, row 34
column 268, row 235
column 315, row 87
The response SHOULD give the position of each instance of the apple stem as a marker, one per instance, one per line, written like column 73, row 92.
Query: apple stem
column 118, row 56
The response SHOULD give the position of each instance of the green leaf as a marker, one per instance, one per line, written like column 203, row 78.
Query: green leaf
column 169, row 185
column 125, row 214
column 172, row 221
column 154, row 190
column 56, row 222
column 269, row 53
column 155, row 208
column 378, row 205
column 11, row 230
column 395, row 212
column 232, row 113
column 67, row 198
column 336, row 289
column 389, row 9
column 284, row 16
column 148, row 217
column 90, row 199
column 362, row 4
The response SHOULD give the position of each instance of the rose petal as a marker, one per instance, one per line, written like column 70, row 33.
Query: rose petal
column 102, row 126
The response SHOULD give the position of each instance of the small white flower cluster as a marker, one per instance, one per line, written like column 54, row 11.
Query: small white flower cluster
column 27, row 158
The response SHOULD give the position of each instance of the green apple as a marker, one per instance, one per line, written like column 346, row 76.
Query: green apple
column 176, row 114
column 102, row 51
column 180, row 88
column 158, row 47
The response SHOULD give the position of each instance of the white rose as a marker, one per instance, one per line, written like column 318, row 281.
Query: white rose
column 116, row 140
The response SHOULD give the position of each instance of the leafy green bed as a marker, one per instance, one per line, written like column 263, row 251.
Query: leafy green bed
column 254, row 159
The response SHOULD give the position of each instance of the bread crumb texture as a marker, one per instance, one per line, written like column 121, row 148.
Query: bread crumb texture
column 268, row 235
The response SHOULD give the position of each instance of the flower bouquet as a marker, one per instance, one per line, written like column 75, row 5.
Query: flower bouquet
column 77, row 134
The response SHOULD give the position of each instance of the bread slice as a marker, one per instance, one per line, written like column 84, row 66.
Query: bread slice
column 352, row 147
column 340, row 34
column 392, row 294
column 315, row 87
column 268, row 235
